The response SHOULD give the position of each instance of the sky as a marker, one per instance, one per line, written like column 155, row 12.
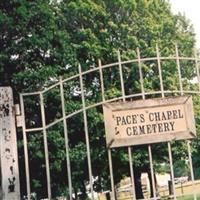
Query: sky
column 191, row 9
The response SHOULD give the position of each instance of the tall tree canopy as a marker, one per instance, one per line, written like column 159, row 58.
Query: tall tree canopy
column 41, row 40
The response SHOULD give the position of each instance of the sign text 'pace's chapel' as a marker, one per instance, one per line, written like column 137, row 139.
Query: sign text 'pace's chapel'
column 149, row 121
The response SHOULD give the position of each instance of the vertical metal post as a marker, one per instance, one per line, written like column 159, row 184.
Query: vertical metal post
column 188, row 142
column 132, row 172
column 197, row 68
column 152, row 172
column 189, row 149
column 101, row 80
column 121, row 76
column 179, row 69
column 171, row 169
column 66, row 139
column 149, row 146
column 160, row 71
column 109, row 150
column 86, row 131
column 124, row 99
column 140, row 73
column 191, row 170
column 168, row 143
column 111, row 174
column 45, row 145
column 28, row 188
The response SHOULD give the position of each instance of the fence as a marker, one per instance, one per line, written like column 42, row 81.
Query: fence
column 153, row 75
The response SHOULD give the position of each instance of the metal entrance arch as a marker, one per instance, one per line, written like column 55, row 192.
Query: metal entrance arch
column 82, row 94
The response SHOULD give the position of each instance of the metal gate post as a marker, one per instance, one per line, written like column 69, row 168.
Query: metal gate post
column 109, row 150
column 8, row 147
column 129, row 148
column 168, row 143
column 149, row 146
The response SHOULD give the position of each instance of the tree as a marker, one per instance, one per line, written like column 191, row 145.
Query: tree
column 33, row 46
column 41, row 40
column 34, row 52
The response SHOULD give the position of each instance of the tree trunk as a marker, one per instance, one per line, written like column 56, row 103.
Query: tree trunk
column 75, row 193
column 151, row 182
column 83, row 194
column 108, row 196
column 138, row 184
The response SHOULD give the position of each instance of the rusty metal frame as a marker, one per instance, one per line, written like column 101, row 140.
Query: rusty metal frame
column 143, row 94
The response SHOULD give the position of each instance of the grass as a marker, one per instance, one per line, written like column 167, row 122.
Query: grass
column 189, row 197
column 186, row 190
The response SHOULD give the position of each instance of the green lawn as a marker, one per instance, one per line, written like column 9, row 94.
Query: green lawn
column 189, row 197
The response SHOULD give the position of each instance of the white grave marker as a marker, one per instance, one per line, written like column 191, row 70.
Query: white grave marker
column 8, row 147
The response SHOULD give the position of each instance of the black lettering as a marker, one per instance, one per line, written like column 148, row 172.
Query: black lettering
column 134, row 119
column 151, row 117
column 135, row 131
column 11, row 169
column 6, row 110
column 154, row 128
column 128, row 131
column 164, row 116
column 169, row 114
column 142, row 118
column 175, row 114
column 157, row 116
column 149, row 130
column 128, row 119
column 11, row 187
column 166, row 126
column 116, row 131
column 123, row 121
column 172, row 125
column 179, row 114
column 118, row 120
column 160, row 127
column 142, row 130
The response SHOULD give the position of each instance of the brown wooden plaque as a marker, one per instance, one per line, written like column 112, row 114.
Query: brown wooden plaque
column 149, row 121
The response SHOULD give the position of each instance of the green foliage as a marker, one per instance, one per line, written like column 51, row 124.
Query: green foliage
column 181, row 168
column 34, row 46
column 41, row 40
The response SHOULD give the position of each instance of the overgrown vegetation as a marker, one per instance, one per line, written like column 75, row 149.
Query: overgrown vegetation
column 41, row 40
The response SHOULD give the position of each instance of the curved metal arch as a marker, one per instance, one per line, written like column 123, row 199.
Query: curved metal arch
column 84, row 108
column 97, row 69
column 109, row 101
column 107, row 66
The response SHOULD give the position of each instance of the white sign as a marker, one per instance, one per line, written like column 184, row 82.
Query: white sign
column 149, row 121
column 8, row 147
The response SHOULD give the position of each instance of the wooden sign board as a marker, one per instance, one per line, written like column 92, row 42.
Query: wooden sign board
column 149, row 121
